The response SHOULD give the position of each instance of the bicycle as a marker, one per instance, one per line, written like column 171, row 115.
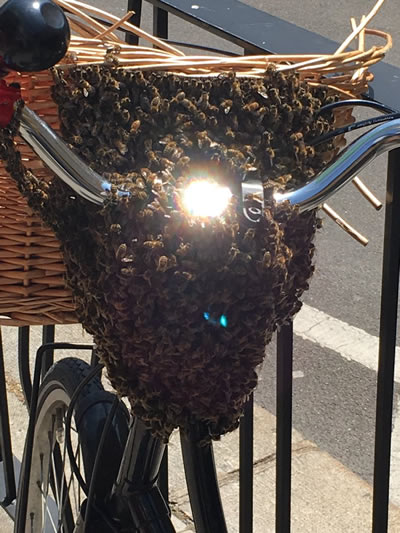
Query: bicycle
column 126, row 494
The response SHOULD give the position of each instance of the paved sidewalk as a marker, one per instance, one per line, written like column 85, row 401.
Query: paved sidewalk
column 327, row 497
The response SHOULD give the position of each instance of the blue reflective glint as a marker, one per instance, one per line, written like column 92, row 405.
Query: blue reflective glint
column 206, row 316
column 223, row 321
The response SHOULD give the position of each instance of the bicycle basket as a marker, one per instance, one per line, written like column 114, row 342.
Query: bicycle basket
column 181, row 308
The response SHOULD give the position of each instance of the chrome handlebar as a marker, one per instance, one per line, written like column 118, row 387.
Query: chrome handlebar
column 345, row 166
column 60, row 159
column 69, row 167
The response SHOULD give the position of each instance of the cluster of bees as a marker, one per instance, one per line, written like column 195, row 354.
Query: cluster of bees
column 150, row 281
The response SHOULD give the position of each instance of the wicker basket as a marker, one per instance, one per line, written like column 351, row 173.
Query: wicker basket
column 32, row 289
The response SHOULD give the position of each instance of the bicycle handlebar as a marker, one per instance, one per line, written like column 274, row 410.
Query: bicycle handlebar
column 60, row 159
column 90, row 185
column 345, row 166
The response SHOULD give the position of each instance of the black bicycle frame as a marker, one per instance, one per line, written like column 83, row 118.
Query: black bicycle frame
column 137, row 500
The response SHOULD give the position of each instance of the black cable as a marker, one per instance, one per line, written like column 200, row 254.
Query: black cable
column 104, row 434
column 68, row 420
column 354, row 126
column 357, row 102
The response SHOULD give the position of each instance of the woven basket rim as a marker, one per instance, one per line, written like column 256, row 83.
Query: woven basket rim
column 94, row 43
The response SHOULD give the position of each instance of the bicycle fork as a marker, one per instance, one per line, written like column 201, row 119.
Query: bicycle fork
column 136, row 486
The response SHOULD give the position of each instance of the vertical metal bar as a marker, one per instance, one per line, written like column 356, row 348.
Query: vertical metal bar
column 284, row 389
column 23, row 363
column 136, row 6
column 246, row 454
column 387, row 345
column 48, row 336
column 163, row 476
column 160, row 23
column 5, row 436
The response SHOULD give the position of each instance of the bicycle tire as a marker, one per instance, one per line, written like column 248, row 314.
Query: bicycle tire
column 48, row 470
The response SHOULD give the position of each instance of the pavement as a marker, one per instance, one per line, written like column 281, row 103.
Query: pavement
column 326, row 496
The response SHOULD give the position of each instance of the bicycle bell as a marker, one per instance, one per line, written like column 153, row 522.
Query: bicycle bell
column 34, row 35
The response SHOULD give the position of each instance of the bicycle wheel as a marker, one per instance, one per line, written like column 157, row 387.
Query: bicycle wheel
column 55, row 492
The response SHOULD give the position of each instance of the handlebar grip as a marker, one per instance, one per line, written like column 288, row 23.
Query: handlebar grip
column 34, row 35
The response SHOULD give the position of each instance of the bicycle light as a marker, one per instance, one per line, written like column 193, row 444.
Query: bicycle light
column 206, row 198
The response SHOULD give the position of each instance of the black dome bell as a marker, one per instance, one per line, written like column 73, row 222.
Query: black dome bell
column 34, row 35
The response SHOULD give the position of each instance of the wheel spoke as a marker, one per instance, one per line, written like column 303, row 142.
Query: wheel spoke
column 55, row 494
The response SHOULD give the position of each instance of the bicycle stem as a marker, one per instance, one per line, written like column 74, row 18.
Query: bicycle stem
column 70, row 168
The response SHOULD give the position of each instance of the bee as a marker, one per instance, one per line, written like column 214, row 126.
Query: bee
column 101, row 152
column 135, row 126
column 226, row 106
column 307, row 99
column 270, row 156
column 166, row 164
column 299, row 152
column 235, row 154
column 121, row 252
column 288, row 112
column 77, row 140
column 162, row 265
column 180, row 118
column 164, row 107
column 189, row 106
column 182, row 163
column 212, row 122
column 203, row 141
column 251, row 107
column 310, row 151
column 201, row 117
column 145, row 173
column 121, row 146
column 112, row 84
column 274, row 96
column 184, row 141
column 155, row 104
column 151, row 157
column 297, row 106
column 153, row 245
column 296, row 137
column 180, row 97
column 139, row 77
column 203, row 101
column 229, row 134
column 172, row 151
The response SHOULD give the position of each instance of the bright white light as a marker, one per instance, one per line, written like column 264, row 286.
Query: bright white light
column 36, row 5
column 206, row 198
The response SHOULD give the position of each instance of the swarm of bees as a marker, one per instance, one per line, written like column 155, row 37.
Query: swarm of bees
column 181, row 309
